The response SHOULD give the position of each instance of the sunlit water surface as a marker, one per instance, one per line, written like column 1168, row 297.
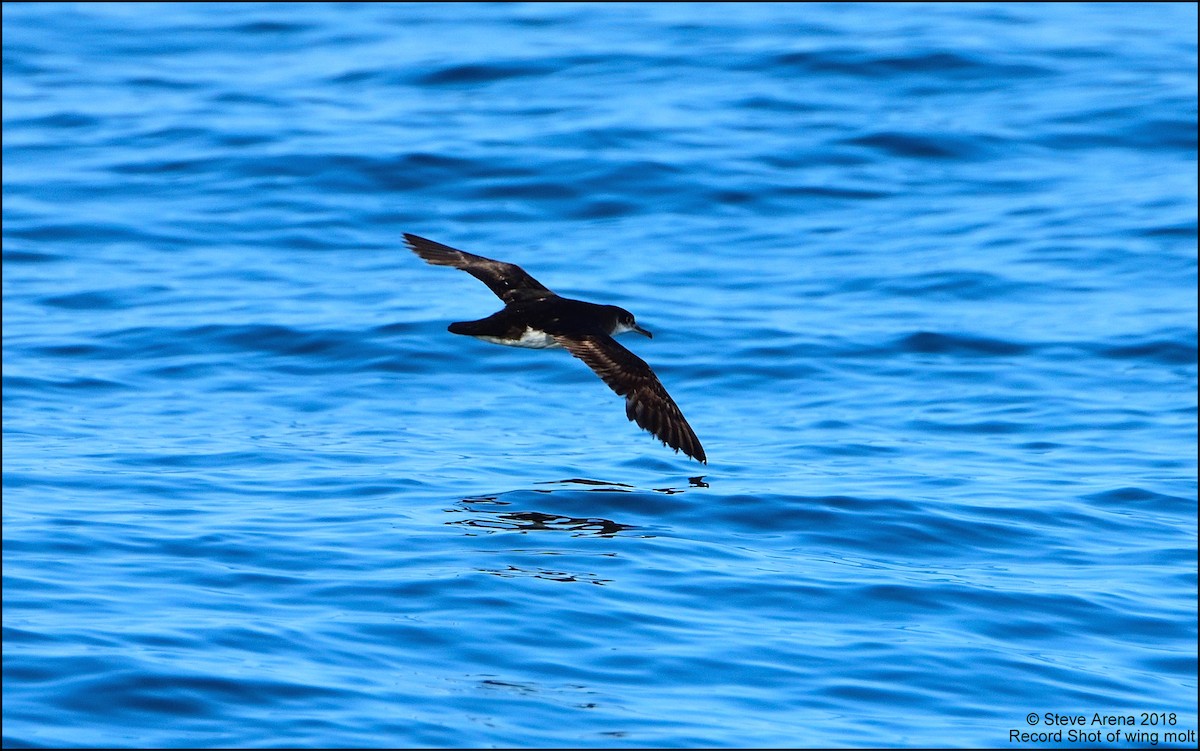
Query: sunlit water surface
column 922, row 278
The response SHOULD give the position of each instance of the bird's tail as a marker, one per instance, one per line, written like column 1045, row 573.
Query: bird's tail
column 466, row 328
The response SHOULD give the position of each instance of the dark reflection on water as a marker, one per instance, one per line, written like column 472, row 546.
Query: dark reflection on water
column 489, row 513
column 534, row 521
column 483, row 515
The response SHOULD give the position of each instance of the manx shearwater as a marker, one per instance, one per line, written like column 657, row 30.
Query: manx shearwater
column 535, row 317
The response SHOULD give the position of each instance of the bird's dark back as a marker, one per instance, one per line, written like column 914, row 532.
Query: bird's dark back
column 562, row 315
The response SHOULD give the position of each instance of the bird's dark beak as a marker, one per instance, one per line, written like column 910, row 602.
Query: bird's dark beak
column 642, row 331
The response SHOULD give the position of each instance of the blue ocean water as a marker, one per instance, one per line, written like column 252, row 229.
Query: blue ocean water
column 922, row 278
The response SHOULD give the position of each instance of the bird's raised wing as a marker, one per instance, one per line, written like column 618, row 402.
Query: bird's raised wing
column 646, row 401
column 508, row 280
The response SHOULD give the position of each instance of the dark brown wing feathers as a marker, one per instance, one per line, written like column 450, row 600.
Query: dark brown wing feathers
column 509, row 281
column 646, row 401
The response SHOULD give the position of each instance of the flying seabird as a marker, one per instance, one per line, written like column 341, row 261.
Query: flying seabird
column 535, row 317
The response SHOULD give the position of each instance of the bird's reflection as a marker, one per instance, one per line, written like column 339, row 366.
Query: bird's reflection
column 502, row 512
column 533, row 510
column 534, row 521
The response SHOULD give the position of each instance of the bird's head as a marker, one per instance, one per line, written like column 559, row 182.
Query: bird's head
column 625, row 322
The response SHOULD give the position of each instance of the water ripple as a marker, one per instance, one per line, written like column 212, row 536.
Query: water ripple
column 924, row 285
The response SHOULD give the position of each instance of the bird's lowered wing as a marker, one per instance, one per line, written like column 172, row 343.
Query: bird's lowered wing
column 646, row 401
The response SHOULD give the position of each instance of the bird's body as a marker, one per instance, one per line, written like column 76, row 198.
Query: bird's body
column 535, row 317
column 534, row 323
